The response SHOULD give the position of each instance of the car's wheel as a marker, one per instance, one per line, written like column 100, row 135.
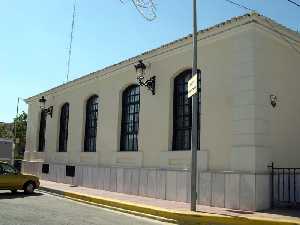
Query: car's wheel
column 29, row 188
column 14, row 191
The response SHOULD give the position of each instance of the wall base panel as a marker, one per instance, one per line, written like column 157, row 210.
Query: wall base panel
column 234, row 190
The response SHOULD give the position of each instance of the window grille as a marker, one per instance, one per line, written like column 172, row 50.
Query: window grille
column 42, row 131
column 63, row 130
column 130, row 118
column 182, row 112
column 91, row 124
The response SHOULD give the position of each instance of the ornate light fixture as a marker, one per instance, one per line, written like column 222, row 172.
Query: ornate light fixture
column 140, row 73
column 48, row 110
column 273, row 100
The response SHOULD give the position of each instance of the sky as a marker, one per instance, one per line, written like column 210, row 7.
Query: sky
column 35, row 36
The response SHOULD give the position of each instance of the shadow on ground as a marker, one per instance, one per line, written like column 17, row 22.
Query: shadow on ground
column 292, row 212
column 242, row 212
column 9, row 195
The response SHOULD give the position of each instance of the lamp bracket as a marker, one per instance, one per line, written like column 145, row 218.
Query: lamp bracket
column 49, row 111
column 150, row 83
column 273, row 100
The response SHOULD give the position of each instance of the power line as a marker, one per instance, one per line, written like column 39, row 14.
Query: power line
column 293, row 2
column 240, row 5
column 71, row 40
column 270, row 23
column 247, row 8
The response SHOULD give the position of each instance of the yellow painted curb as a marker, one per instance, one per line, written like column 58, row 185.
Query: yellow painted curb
column 180, row 217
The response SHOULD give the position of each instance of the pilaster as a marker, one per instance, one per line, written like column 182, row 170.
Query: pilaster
column 250, row 127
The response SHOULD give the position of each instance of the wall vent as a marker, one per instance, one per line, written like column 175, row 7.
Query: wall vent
column 45, row 168
column 70, row 171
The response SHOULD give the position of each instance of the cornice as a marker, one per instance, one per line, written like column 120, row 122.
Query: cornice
column 218, row 29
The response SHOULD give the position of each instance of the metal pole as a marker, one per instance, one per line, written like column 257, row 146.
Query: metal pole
column 194, row 116
column 15, row 134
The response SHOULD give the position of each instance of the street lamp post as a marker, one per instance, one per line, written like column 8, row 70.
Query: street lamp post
column 194, row 116
column 16, row 140
column 141, row 6
column 47, row 111
column 15, row 134
column 140, row 71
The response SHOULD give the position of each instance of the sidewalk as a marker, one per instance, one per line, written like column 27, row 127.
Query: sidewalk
column 178, row 212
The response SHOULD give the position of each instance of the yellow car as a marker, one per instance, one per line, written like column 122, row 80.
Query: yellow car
column 11, row 179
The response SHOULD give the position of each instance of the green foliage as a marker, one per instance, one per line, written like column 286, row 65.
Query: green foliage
column 20, row 124
column 18, row 128
column 5, row 131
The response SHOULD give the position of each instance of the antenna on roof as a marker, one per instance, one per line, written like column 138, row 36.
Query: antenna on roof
column 71, row 40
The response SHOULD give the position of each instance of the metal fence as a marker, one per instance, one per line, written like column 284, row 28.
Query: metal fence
column 285, row 186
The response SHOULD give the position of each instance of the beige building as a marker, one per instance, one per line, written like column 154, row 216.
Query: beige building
column 115, row 135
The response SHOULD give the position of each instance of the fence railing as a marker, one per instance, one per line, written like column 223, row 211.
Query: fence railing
column 285, row 186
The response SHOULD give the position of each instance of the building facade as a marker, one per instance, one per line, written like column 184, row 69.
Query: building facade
column 115, row 135
column 6, row 148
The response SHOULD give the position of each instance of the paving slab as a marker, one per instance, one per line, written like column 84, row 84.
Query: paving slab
column 174, row 208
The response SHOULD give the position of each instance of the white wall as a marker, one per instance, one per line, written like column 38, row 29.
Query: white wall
column 239, row 130
column 242, row 64
column 216, row 61
column 277, row 71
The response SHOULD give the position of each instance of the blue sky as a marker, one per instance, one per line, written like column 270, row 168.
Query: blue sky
column 35, row 36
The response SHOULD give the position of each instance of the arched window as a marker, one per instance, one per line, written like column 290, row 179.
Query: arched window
column 130, row 118
column 63, row 128
column 182, row 112
column 91, row 124
column 42, row 131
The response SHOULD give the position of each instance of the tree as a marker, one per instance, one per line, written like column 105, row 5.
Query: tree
column 20, row 125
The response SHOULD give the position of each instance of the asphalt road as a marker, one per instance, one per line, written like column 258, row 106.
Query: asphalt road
column 45, row 209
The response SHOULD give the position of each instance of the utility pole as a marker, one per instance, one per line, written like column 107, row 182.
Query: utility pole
column 71, row 40
column 15, row 134
column 141, row 6
column 194, row 115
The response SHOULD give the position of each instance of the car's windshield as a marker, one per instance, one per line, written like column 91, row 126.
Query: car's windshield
column 7, row 169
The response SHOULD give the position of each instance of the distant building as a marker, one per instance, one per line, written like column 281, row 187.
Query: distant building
column 6, row 148
column 8, row 126
column 110, row 133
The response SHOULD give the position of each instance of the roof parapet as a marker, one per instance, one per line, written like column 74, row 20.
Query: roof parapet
column 248, row 17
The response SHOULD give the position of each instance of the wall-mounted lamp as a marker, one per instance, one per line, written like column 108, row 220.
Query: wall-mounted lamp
column 48, row 110
column 273, row 100
column 140, row 73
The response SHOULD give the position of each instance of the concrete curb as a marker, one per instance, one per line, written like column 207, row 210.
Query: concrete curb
column 167, row 215
column 53, row 191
